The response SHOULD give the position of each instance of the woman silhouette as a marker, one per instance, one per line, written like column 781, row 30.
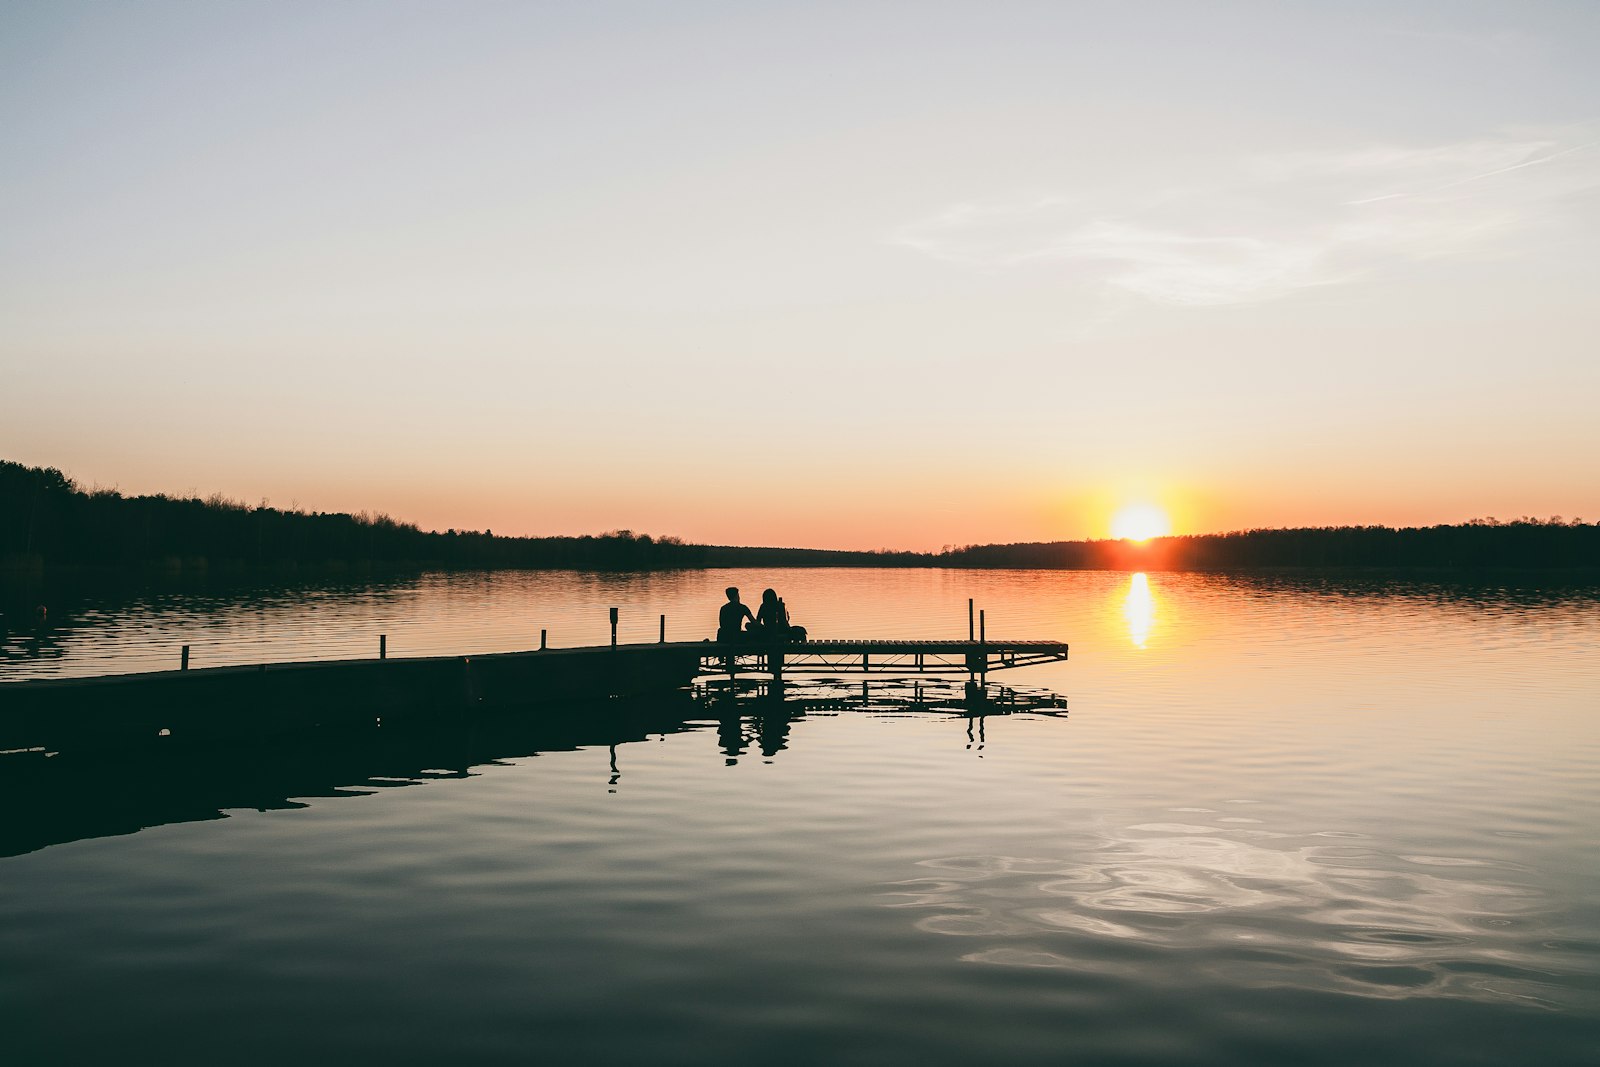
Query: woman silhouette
column 773, row 618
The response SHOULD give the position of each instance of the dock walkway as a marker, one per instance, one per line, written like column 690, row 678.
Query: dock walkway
column 875, row 656
column 215, row 702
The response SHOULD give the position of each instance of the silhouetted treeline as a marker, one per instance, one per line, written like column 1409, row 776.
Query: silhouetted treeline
column 1530, row 543
column 46, row 519
column 737, row 556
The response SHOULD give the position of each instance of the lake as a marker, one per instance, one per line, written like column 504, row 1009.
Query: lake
column 1270, row 820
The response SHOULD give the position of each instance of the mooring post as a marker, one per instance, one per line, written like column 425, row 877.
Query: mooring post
column 663, row 629
column 969, row 618
column 613, row 626
column 383, row 646
column 184, row 664
column 543, row 634
column 983, row 639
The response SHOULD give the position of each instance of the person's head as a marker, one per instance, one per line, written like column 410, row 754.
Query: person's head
column 769, row 597
column 733, row 594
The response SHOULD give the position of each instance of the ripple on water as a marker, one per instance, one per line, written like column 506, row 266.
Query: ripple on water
column 1295, row 918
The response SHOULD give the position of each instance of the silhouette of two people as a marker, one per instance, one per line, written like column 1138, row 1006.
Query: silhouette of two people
column 771, row 623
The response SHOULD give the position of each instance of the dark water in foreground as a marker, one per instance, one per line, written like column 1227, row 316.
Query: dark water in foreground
column 1281, row 823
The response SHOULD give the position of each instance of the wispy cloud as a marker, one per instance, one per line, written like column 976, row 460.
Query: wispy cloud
column 1278, row 224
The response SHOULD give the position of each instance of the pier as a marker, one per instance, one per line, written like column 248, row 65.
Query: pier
column 231, row 702
column 832, row 658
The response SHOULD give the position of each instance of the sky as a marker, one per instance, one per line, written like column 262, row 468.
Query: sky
column 851, row 275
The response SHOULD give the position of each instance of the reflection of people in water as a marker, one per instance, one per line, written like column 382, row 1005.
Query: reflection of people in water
column 730, row 738
column 772, row 730
column 730, row 620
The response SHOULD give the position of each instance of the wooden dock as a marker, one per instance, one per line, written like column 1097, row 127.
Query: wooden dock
column 227, row 703
column 832, row 658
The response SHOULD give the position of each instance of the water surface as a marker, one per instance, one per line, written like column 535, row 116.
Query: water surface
column 1310, row 822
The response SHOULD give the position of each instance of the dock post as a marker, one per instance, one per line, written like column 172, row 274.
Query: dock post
column 663, row 629
column 543, row 634
column 383, row 646
column 613, row 626
column 969, row 619
column 183, row 664
column 983, row 639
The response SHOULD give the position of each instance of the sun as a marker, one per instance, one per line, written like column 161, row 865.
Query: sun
column 1140, row 522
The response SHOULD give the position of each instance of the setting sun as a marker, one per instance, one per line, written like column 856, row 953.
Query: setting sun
column 1140, row 522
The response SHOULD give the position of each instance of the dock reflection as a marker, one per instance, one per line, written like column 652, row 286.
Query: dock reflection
column 759, row 715
column 49, row 798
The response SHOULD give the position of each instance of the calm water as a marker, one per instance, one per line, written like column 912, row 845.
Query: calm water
column 1282, row 822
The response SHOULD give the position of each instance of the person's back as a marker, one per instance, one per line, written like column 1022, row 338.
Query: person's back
column 730, row 619
column 773, row 619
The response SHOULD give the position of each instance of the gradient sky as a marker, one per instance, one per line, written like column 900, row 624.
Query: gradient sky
column 846, row 275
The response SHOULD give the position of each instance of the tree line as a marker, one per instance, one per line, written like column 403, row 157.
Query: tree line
column 1524, row 543
column 46, row 519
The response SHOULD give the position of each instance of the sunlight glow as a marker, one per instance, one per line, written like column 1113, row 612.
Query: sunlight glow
column 1140, row 522
column 1139, row 608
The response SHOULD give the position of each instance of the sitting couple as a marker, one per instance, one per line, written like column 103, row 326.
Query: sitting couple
column 771, row 623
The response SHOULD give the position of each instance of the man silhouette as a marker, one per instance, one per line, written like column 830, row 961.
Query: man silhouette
column 730, row 620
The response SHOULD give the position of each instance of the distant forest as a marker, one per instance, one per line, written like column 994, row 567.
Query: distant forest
column 1525, row 543
column 47, row 520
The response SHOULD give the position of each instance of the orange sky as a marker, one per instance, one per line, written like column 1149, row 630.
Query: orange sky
column 795, row 276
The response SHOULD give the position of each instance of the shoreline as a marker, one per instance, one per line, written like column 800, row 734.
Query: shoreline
column 200, row 571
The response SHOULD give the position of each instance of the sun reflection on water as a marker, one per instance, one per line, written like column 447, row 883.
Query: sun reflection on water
column 1139, row 608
